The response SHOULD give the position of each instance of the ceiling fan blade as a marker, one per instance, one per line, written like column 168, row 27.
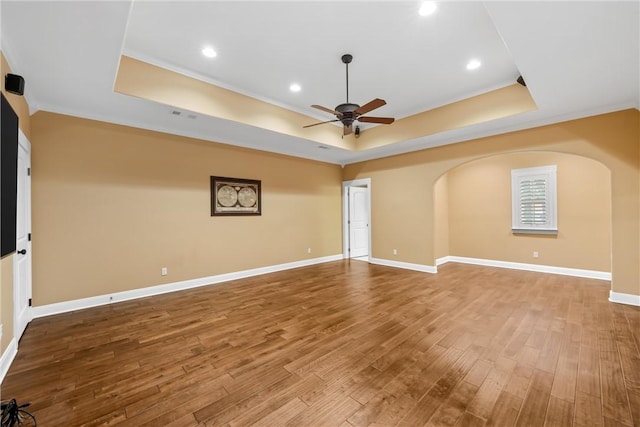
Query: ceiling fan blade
column 369, row 106
column 328, row 110
column 383, row 120
column 348, row 130
column 321, row 123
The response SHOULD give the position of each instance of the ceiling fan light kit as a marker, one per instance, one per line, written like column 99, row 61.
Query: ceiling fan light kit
column 348, row 113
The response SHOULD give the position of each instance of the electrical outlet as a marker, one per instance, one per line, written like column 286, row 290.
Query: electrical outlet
column 308, row 250
column 535, row 254
column 164, row 271
column 395, row 252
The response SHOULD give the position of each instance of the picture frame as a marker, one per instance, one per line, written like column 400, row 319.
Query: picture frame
column 235, row 196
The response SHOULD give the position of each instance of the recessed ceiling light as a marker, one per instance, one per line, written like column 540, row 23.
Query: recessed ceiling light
column 473, row 64
column 427, row 8
column 209, row 52
column 295, row 87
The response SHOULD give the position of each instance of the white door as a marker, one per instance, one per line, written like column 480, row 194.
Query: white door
column 358, row 222
column 22, row 258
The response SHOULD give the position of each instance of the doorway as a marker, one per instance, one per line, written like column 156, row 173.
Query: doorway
column 22, row 258
column 356, row 222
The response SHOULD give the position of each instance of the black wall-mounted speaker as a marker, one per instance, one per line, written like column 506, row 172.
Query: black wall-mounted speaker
column 14, row 83
column 521, row 81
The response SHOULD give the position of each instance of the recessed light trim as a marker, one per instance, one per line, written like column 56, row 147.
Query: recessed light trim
column 295, row 87
column 473, row 64
column 427, row 8
column 209, row 52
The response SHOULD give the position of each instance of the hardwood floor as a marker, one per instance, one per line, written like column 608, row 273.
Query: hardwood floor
column 345, row 344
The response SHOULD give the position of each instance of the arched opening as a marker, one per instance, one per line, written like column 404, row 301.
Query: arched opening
column 472, row 215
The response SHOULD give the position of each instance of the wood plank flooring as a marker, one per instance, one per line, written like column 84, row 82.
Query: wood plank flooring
column 342, row 344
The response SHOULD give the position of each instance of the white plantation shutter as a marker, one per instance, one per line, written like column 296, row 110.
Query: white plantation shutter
column 534, row 200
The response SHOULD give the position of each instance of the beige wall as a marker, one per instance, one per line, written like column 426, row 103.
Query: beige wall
column 403, row 186
column 480, row 212
column 6, row 277
column 441, row 217
column 112, row 205
column 19, row 105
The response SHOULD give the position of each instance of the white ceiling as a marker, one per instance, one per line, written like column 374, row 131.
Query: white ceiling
column 578, row 59
column 413, row 62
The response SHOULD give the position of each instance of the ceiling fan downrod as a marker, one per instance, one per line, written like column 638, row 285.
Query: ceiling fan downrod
column 347, row 58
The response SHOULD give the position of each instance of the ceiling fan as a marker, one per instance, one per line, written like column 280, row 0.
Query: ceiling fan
column 348, row 113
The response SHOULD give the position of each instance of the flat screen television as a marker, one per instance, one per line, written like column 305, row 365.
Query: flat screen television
column 8, row 177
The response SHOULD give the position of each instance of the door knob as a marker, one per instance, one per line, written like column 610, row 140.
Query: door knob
column 23, row 252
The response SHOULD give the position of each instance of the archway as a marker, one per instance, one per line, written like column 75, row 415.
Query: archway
column 472, row 216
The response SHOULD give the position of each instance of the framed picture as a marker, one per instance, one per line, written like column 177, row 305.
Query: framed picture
column 235, row 196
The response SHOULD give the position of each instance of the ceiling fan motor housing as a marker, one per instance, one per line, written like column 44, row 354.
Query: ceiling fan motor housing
column 347, row 115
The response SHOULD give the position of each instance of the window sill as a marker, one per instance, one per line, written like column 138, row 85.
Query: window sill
column 533, row 231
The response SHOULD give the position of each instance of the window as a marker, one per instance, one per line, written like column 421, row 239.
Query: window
column 533, row 195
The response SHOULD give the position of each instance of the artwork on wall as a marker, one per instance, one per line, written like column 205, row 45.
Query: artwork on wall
column 235, row 196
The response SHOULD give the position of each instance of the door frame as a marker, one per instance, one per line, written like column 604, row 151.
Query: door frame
column 18, row 322
column 363, row 182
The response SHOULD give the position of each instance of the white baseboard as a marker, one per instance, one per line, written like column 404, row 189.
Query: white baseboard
column 443, row 260
column 79, row 304
column 621, row 298
column 405, row 265
column 590, row 274
column 7, row 358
